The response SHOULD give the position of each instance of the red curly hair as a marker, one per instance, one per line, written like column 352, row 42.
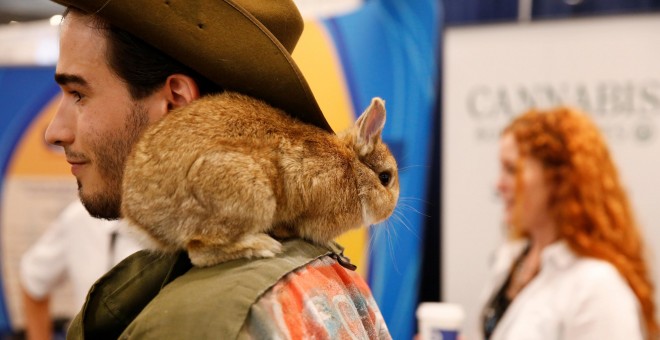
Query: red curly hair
column 586, row 199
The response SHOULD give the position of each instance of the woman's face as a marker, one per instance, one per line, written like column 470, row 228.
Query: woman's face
column 530, row 208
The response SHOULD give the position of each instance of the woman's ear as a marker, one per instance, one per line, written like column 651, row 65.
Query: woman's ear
column 180, row 90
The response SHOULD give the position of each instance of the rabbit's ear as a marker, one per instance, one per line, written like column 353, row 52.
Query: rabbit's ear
column 370, row 125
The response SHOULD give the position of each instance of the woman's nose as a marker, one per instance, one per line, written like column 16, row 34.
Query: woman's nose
column 500, row 187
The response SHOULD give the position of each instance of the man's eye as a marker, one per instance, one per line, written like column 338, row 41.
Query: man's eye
column 76, row 95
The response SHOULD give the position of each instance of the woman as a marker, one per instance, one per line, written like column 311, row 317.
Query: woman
column 574, row 268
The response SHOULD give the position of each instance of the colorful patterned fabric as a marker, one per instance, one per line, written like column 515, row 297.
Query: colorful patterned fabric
column 322, row 300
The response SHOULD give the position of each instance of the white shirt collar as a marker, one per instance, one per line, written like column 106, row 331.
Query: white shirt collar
column 557, row 255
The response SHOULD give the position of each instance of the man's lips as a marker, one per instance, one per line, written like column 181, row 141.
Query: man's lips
column 76, row 166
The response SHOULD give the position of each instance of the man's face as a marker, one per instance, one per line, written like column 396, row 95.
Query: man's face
column 97, row 122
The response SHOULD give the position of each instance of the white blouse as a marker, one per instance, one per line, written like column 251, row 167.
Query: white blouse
column 571, row 297
column 75, row 246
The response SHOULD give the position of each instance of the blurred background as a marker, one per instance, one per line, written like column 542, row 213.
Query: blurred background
column 27, row 10
column 452, row 72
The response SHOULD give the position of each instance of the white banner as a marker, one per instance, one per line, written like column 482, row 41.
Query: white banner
column 610, row 67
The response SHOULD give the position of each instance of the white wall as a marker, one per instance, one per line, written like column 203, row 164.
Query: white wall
column 30, row 43
column 608, row 66
column 324, row 8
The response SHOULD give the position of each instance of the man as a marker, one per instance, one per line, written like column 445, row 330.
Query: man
column 123, row 66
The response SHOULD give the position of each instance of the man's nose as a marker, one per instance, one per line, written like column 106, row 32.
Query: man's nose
column 60, row 131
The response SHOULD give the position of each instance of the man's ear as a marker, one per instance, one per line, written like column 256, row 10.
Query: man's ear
column 180, row 90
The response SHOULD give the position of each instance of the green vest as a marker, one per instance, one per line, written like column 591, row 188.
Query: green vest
column 164, row 297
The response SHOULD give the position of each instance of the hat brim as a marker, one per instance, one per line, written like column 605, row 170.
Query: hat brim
column 237, row 52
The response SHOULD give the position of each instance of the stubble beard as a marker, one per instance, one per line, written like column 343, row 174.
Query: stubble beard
column 110, row 154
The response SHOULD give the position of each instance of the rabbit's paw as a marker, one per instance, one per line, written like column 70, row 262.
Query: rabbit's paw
column 249, row 246
column 258, row 245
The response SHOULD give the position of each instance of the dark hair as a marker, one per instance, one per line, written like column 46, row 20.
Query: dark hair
column 143, row 67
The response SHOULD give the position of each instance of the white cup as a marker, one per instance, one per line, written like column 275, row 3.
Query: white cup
column 439, row 320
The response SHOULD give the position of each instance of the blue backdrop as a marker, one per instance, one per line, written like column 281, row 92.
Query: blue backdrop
column 390, row 48
column 24, row 91
column 482, row 11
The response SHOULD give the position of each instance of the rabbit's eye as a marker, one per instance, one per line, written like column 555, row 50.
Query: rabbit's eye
column 384, row 177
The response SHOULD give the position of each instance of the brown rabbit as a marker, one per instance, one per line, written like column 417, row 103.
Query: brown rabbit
column 220, row 175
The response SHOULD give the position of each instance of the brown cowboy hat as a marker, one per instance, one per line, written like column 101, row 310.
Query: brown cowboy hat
column 243, row 45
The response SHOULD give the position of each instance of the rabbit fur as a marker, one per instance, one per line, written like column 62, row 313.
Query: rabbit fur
column 224, row 175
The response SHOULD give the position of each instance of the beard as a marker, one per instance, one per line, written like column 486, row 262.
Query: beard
column 110, row 154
